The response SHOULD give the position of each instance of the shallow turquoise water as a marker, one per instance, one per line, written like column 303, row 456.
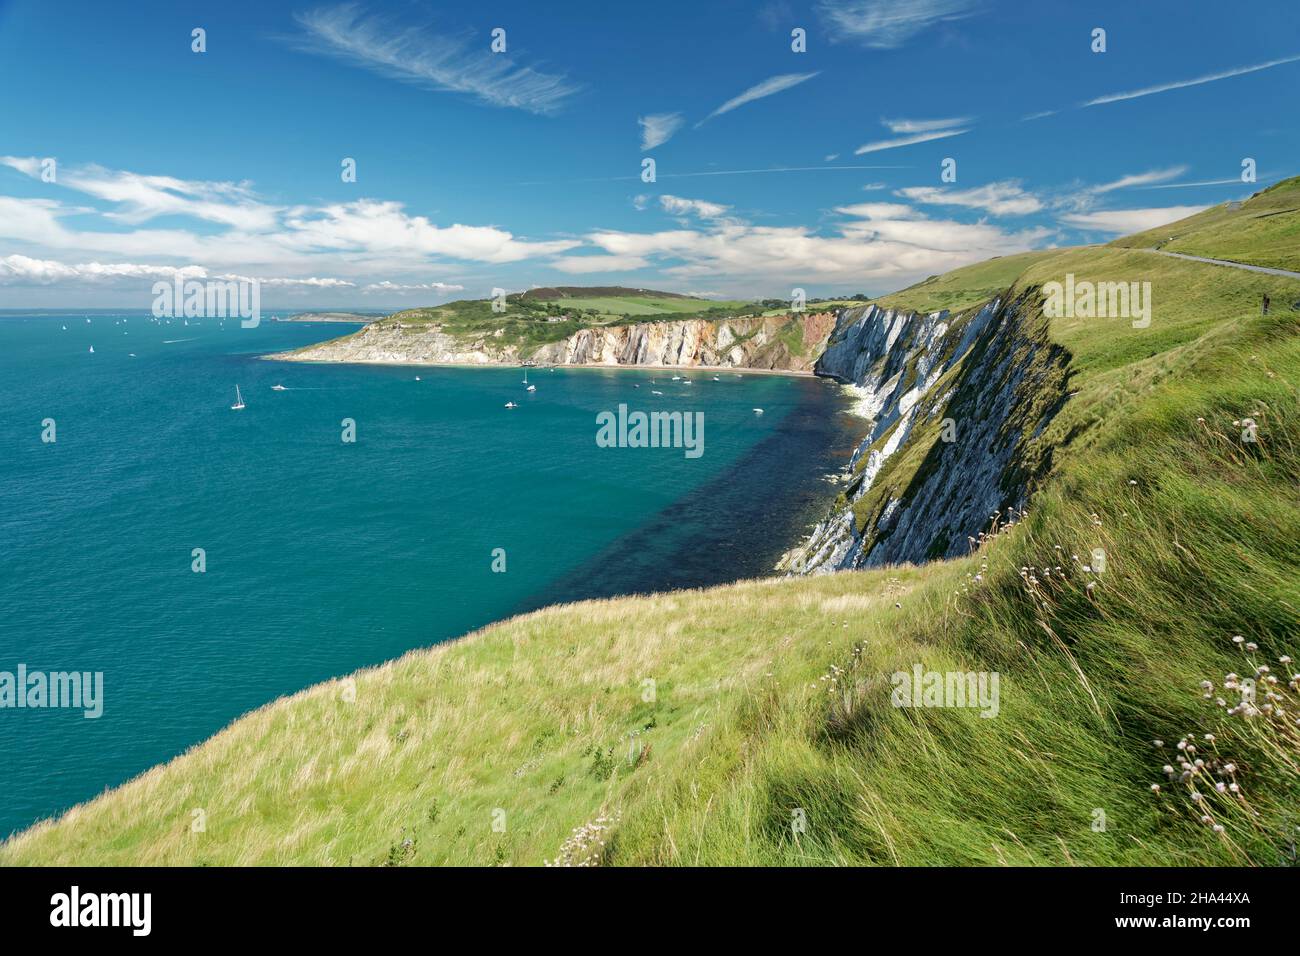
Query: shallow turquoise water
column 324, row 556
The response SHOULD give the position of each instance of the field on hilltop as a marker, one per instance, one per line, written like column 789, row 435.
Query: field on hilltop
column 1263, row 232
column 753, row 723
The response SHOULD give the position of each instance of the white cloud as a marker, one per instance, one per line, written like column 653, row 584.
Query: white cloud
column 874, row 243
column 1197, row 81
column 20, row 268
column 430, row 61
column 658, row 128
column 1124, row 221
column 677, row 206
column 140, row 198
column 579, row 265
column 768, row 87
column 384, row 227
column 1000, row 199
column 886, row 24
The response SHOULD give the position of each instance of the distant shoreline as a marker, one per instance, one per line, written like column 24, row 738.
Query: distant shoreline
column 702, row 369
column 353, row 317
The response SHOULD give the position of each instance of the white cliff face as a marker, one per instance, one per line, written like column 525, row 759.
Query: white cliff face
column 782, row 342
column 967, row 397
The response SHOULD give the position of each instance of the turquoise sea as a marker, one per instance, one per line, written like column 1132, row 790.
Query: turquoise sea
column 324, row 556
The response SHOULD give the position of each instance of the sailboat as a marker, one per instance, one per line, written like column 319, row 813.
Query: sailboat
column 92, row 350
column 531, row 388
column 239, row 401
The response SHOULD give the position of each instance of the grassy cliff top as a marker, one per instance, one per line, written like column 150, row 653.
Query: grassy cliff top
column 698, row 727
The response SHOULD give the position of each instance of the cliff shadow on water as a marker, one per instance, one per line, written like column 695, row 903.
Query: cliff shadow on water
column 737, row 525
column 959, row 407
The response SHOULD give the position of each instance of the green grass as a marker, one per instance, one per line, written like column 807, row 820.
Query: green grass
column 644, row 305
column 695, row 727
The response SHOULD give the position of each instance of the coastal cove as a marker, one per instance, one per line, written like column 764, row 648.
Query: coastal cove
column 323, row 556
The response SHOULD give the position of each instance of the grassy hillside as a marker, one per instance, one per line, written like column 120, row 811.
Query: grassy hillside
column 1263, row 231
column 697, row 727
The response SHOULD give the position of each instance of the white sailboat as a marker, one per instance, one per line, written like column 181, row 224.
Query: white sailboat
column 239, row 401
column 530, row 388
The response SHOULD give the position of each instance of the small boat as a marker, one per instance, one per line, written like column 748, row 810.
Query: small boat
column 636, row 386
column 92, row 350
column 417, row 378
column 65, row 328
column 511, row 405
column 239, row 401
column 758, row 411
column 677, row 378
column 278, row 388
column 716, row 379
column 653, row 392
column 531, row 388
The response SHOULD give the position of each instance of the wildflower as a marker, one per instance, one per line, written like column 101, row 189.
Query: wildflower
column 1155, row 788
column 1218, row 828
column 1238, row 639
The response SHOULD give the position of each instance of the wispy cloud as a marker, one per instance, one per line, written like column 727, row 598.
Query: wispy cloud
column 1140, row 179
column 906, row 126
column 886, row 24
column 918, row 131
column 768, row 87
column 428, row 60
column 658, row 128
column 1122, row 221
column 1204, row 182
column 1005, row 198
column 1197, row 81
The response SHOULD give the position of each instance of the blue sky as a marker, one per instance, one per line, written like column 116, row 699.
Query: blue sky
column 478, row 169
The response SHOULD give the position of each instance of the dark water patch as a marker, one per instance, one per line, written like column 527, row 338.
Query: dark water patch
column 737, row 525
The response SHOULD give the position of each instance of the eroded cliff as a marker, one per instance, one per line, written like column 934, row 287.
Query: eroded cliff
column 791, row 342
column 957, row 406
